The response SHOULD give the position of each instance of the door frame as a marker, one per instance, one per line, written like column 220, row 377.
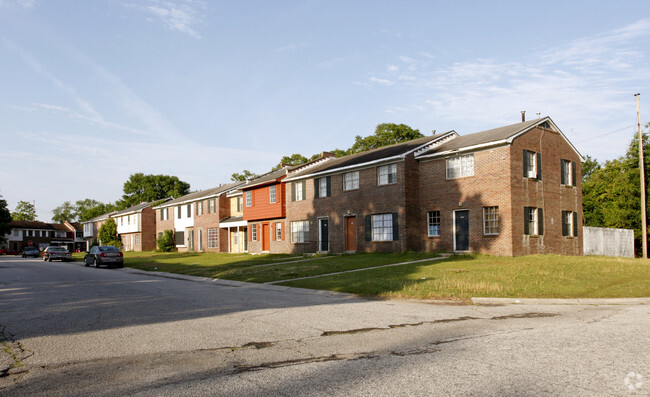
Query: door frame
column 266, row 236
column 454, row 231
column 345, row 233
column 320, row 234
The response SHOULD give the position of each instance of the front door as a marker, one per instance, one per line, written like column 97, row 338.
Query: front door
column 351, row 233
column 461, row 230
column 266, row 237
column 324, row 235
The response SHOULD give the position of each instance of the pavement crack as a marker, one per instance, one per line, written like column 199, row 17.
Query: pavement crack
column 11, row 361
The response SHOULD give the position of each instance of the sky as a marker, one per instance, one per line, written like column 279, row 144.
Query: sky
column 92, row 92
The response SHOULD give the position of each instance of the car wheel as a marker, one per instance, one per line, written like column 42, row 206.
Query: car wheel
column 96, row 263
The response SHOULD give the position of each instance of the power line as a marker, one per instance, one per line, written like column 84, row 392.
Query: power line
column 605, row 134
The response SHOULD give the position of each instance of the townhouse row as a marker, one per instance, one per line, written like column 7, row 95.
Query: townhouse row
column 513, row 190
column 41, row 235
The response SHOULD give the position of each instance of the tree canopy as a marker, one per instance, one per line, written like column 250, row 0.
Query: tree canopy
column 64, row 212
column 25, row 211
column 140, row 187
column 245, row 174
column 108, row 233
column 385, row 134
column 5, row 219
column 88, row 208
column 294, row 159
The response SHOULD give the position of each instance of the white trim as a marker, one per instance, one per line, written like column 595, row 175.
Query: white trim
column 233, row 224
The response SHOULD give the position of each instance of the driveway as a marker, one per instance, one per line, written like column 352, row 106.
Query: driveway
column 71, row 330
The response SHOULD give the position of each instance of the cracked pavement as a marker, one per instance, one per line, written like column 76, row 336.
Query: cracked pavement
column 86, row 331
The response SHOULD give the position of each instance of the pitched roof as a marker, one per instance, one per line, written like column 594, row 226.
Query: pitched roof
column 135, row 208
column 215, row 191
column 100, row 217
column 268, row 177
column 30, row 225
column 369, row 156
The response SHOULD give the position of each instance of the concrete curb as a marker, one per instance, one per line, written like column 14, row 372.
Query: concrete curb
column 580, row 301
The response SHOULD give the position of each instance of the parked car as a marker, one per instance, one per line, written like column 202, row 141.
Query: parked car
column 30, row 251
column 7, row 251
column 61, row 253
column 104, row 255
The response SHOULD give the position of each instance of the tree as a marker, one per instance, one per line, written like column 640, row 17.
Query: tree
column 294, row 159
column 140, row 188
column 108, row 233
column 245, row 174
column 25, row 211
column 88, row 208
column 166, row 242
column 385, row 134
column 64, row 212
column 5, row 219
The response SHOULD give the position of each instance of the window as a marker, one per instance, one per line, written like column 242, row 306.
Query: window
column 16, row 233
column 199, row 208
column 382, row 227
column 180, row 238
column 300, row 232
column 212, row 206
column 491, row 220
column 569, row 224
column 568, row 168
column 433, row 222
column 254, row 233
column 213, row 238
column 122, row 221
column 298, row 191
column 533, row 221
column 532, row 165
column 322, row 187
column 272, row 193
column 43, row 233
column 189, row 210
column 278, row 231
column 240, row 205
column 164, row 214
column 137, row 239
column 387, row 174
column 179, row 211
column 351, row 180
column 460, row 166
column 128, row 219
column 249, row 199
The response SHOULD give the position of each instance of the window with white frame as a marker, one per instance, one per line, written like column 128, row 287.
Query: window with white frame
column 179, row 212
column 569, row 223
column 212, row 206
column 533, row 221
column 298, row 193
column 189, row 210
column 254, row 232
column 199, row 208
column 532, row 165
column 382, row 227
column 460, row 166
column 300, row 232
column 568, row 172
column 213, row 237
column 240, row 205
column 322, row 187
column 351, row 180
column 137, row 239
column 278, row 231
column 164, row 214
column 180, row 238
column 490, row 220
column 433, row 223
column 272, row 194
column 249, row 198
column 387, row 174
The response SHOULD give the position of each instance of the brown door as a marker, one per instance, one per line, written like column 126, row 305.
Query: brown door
column 351, row 233
column 266, row 237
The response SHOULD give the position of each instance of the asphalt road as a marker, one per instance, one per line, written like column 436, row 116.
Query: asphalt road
column 69, row 330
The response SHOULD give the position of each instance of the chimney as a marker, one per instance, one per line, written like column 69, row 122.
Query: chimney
column 523, row 116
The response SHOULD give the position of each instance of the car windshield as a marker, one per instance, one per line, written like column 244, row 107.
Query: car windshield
column 30, row 249
column 57, row 249
column 108, row 248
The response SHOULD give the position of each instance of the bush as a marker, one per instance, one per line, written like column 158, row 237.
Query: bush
column 166, row 242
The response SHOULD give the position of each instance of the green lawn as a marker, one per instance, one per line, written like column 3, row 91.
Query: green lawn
column 458, row 278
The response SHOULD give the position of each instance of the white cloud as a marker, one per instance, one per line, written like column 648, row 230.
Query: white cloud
column 181, row 16
column 385, row 82
column 18, row 4
column 392, row 68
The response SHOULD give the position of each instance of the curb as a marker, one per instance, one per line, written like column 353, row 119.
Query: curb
column 579, row 301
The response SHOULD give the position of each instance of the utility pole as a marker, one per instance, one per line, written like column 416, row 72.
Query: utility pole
column 644, row 227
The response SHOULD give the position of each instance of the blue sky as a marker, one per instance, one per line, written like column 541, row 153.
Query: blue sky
column 94, row 91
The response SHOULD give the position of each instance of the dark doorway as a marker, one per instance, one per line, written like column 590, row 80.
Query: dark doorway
column 461, row 230
column 324, row 235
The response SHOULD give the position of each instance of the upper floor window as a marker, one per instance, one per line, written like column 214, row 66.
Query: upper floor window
column 249, row 198
column 272, row 194
column 351, row 180
column 568, row 169
column 179, row 212
column 460, row 166
column 240, row 205
column 298, row 191
column 532, row 165
column 199, row 208
column 569, row 223
column 533, row 221
column 212, row 206
column 189, row 210
column 164, row 214
column 322, row 187
column 490, row 220
column 433, row 223
column 387, row 174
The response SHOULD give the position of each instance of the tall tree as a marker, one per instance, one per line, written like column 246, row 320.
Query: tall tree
column 385, row 134
column 141, row 187
column 5, row 219
column 294, row 159
column 108, row 233
column 88, row 208
column 25, row 211
column 245, row 174
column 64, row 212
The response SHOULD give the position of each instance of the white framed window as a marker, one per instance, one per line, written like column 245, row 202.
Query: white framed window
column 532, row 165
column 460, row 166
column 179, row 212
column 254, row 232
column 212, row 206
column 249, row 198
column 322, row 187
column 278, row 231
column 569, row 224
column 180, row 238
column 128, row 219
column 382, row 227
column 240, row 204
column 272, row 194
column 387, row 174
column 433, row 223
column 213, row 237
column 351, row 180
column 300, row 232
column 568, row 169
column 164, row 214
column 199, row 208
column 298, row 191
column 490, row 220
column 137, row 239
column 533, row 221
column 189, row 210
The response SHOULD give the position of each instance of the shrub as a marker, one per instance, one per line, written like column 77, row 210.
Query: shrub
column 166, row 242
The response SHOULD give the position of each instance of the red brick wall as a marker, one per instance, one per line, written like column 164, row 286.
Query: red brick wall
column 208, row 221
column 148, row 236
column 168, row 224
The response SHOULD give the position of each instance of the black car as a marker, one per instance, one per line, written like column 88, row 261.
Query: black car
column 104, row 255
column 31, row 251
